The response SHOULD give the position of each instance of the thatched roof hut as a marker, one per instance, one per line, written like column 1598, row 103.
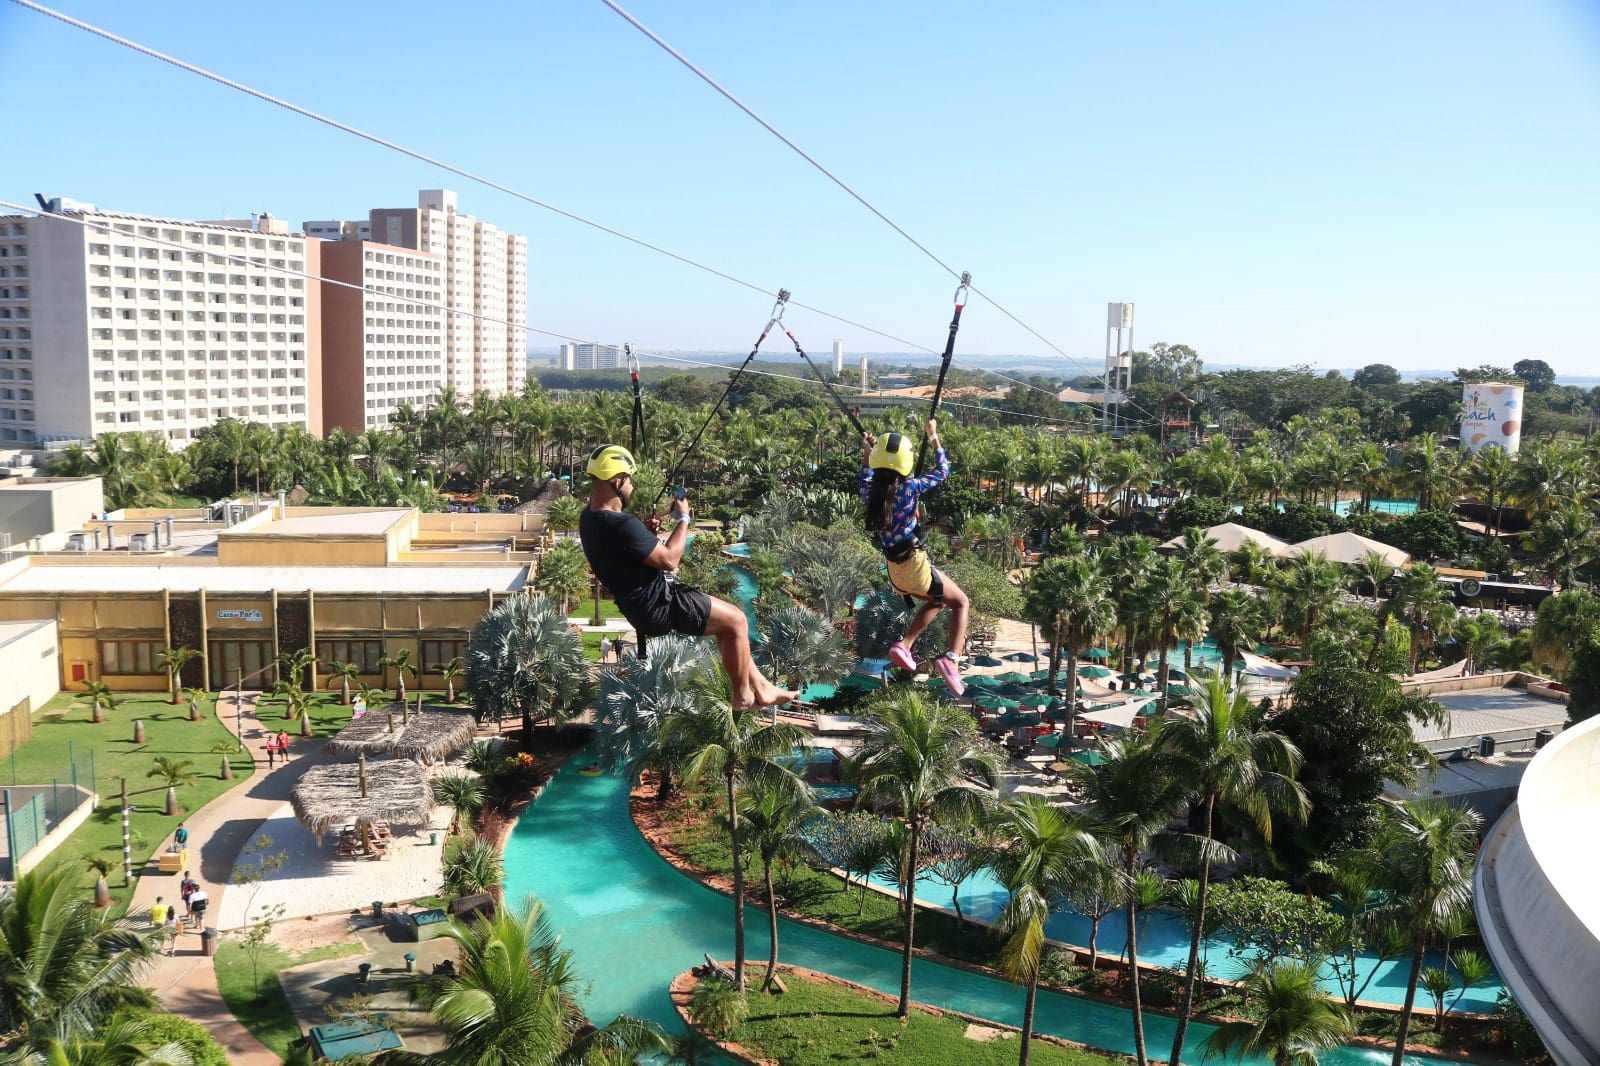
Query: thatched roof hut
column 428, row 736
column 388, row 790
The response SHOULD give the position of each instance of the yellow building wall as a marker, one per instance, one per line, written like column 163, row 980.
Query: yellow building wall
column 244, row 550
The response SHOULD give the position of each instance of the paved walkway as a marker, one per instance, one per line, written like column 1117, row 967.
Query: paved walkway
column 186, row 982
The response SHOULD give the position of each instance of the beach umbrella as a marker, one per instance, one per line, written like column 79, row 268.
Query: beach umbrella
column 982, row 681
column 1096, row 653
column 1018, row 720
column 1022, row 657
column 1041, row 675
column 1037, row 699
column 1013, row 677
column 936, row 685
column 1093, row 671
column 1053, row 740
column 985, row 660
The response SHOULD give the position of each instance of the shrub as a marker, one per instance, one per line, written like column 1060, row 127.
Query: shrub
column 717, row 1006
column 475, row 867
column 1058, row 967
column 1199, row 511
column 162, row 1028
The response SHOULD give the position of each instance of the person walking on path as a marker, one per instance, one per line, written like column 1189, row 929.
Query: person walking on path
column 181, row 837
column 197, row 906
column 605, row 648
column 158, row 913
column 187, row 888
column 172, row 928
column 272, row 753
column 283, row 745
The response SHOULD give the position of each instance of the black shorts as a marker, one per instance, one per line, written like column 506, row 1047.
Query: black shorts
column 663, row 607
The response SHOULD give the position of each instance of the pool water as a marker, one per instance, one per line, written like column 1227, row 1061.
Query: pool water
column 1394, row 507
column 833, row 792
column 634, row 923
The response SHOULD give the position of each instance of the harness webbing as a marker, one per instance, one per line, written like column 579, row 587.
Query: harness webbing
column 944, row 362
column 775, row 320
column 636, row 427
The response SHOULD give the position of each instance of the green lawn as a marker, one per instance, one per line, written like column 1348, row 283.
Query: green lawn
column 267, row 1015
column 815, row 1024
column 585, row 608
column 63, row 737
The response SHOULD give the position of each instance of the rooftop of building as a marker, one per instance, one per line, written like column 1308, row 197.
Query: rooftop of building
column 1498, row 712
column 62, row 576
column 10, row 631
column 331, row 522
column 1463, row 777
column 229, row 226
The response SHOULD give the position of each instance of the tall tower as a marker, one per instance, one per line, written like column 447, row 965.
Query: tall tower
column 1119, row 365
column 838, row 355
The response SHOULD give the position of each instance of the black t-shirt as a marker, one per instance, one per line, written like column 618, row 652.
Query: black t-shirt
column 617, row 545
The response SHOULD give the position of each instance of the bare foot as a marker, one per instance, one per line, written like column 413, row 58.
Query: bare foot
column 770, row 695
column 744, row 700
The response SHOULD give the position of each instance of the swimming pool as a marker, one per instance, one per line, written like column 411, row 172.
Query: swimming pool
column 633, row 923
column 1395, row 507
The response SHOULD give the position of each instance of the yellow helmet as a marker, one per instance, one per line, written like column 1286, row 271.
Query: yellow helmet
column 893, row 451
column 608, row 461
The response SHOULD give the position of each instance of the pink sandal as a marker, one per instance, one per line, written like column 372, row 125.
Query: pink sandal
column 946, row 665
column 901, row 656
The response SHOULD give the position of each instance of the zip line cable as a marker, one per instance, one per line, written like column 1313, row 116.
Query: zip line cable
column 840, row 182
column 422, row 157
column 107, row 229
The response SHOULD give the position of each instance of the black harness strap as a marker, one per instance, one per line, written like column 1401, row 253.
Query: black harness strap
column 636, row 428
column 944, row 363
column 833, row 394
column 776, row 319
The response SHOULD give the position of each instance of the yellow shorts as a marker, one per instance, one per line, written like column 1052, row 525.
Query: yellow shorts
column 916, row 577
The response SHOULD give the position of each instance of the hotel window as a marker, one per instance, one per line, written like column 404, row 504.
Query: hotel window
column 130, row 657
column 437, row 653
column 364, row 653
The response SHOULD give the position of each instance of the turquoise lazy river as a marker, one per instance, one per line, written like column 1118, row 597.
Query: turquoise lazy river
column 634, row 923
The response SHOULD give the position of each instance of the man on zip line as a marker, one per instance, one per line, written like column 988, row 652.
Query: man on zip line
column 631, row 562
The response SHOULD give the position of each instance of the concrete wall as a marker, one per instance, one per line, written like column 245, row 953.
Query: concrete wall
column 1537, row 904
column 39, row 512
column 31, row 671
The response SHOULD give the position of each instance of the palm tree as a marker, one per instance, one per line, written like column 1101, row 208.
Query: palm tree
column 64, row 966
column 1427, row 848
column 1130, row 797
column 514, row 998
column 799, row 645
column 1477, row 635
column 1071, row 600
column 639, row 696
column 1372, row 571
column 100, row 698
column 563, row 574
column 125, row 1040
column 450, row 673
column 175, row 773
column 101, row 868
column 1310, row 587
column 774, row 813
column 1229, row 758
column 1565, row 541
column 525, row 660
column 1292, row 1020
column 1171, row 607
column 173, row 660
column 1490, row 472
column 400, row 663
column 1201, row 557
column 1430, row 469
column 1235, row 625
column 1127, row 561
column 1419, row 601
column 194, row 696
column 295, row 666
column 348, row 674
column 463, row 794
column 564, row 514
column 731, row 745
column 921, row 760
column 1039, row 853
column 475, row 867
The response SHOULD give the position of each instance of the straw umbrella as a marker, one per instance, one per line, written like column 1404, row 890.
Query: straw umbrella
column 389, row 790
column 426, row 736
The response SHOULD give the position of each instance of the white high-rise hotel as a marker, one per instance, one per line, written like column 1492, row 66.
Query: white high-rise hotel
column 485, row 275
column 125, row 322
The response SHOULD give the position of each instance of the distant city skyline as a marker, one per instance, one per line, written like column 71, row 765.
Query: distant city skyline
column 1271, row 185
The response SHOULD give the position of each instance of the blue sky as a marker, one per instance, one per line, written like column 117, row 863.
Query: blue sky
column 1270, row 183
